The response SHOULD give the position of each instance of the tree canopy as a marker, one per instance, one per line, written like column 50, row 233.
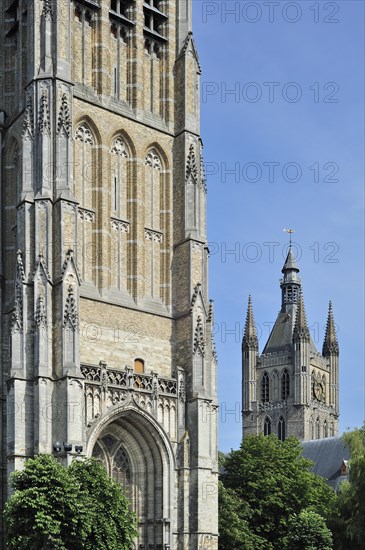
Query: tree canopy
column 234, row 528
column 308, row 531
column 111, row 519
column 348, row 520
column 276, row 484
column 59, row 508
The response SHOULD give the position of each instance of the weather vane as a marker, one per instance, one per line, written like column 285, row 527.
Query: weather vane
column 290, row 231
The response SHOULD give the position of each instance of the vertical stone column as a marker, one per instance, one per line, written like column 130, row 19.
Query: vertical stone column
column 19, row 386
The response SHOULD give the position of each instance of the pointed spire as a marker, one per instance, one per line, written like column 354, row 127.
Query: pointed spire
column 250, row 336
column 330, row 344
column 301, row 330
column 290, row 263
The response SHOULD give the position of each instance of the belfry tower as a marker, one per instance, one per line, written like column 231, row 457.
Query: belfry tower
column 106, row 325
column 290, row 388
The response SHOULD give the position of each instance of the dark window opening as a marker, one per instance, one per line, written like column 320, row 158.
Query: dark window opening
column 155, row 20
column 281, row 429
column 285, row 385
column 267, row 426
column 122, row 10
column 265, row 388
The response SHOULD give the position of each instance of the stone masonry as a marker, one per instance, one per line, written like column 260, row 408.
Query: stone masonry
column 106, row 326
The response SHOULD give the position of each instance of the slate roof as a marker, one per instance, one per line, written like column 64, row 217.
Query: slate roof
column 328, row 455
column 281, row 336
column 290, row 262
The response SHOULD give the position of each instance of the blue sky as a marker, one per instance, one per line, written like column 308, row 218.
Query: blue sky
column 286, row 149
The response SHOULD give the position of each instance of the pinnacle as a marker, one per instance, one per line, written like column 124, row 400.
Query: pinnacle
column 301, row 329
column 330, row 344
column 250, row 336
column 301, row 319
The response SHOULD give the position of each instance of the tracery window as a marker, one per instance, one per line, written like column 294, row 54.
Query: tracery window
column 267, row 426
column 121, row 469
column 285, row 385
column 154, row 238
column 265, row 388
column 115, row 457
column 85, row 184
column 157, row 220
column 120, row 157
column 281, row 429
column 153, row 189
column 121, row 170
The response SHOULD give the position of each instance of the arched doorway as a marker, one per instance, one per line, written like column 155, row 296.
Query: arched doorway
column 137, row 453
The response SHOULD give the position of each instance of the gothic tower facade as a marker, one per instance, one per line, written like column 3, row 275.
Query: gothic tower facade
column 290, row 388
column 106, row 324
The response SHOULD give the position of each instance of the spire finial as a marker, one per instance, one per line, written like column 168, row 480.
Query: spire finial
column 290, row 231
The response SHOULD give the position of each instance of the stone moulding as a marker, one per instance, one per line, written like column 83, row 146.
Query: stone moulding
column 153, row 235
column 120, row 225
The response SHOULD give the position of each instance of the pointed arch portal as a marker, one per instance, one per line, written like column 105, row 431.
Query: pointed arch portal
column 136, row 452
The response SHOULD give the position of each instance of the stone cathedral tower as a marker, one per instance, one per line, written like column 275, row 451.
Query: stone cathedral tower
column 290, row 388
column 106, row 327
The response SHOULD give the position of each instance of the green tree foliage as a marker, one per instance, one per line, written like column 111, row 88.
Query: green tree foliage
column 307, row 531
column 348, row 519
column 108, row 509
column 234, row 529
column 53, row 507
column 275, row 482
